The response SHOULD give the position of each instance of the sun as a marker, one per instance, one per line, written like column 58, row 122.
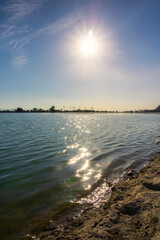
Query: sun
column 88, row 45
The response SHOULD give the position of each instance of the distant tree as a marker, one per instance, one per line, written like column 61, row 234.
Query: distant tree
column 40, row 110
column 52, row 109
column 35, row 109
column 19, row 109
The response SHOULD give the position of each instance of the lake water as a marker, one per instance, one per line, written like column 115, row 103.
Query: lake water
column 47, row 160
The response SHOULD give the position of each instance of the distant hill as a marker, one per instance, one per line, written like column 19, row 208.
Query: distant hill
column 157, row 109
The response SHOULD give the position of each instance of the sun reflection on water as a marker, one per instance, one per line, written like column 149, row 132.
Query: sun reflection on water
column 99, row 195
column 84, row 153
column 83, row 149
column 98, row 175
column 77, row 158
column 73, row 146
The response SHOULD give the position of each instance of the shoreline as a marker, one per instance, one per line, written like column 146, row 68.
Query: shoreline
column 89, row 112
column 132, row 212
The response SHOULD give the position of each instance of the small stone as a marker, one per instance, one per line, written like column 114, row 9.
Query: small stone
column 130, row 173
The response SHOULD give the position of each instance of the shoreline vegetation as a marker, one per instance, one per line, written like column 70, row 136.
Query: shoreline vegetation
column 52, row 109
column 131, row 213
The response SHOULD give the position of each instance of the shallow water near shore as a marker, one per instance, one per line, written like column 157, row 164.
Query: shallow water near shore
column 48, row 160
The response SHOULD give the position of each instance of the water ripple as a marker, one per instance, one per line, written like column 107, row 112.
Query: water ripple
column 46, row 157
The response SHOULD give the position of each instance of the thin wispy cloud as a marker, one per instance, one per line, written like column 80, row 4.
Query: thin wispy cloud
column 51, row 29
column 20, row 61
column 15, row 32
column 16, row 12
column 119, row 51
column 60, row 24
column 19, row 9
column 12, row 27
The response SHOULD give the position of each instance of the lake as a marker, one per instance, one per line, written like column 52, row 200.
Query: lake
column 50, row 159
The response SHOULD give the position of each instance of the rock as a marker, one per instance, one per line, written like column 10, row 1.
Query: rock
column 130, row 173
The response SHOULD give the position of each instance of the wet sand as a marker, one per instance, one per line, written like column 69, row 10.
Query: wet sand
column 132, row 212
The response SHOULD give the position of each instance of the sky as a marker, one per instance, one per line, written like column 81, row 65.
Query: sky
column 42, row 63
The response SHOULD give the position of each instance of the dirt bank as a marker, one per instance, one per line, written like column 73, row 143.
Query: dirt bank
column 132, row 212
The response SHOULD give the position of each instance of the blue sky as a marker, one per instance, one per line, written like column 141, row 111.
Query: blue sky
column 40, row 67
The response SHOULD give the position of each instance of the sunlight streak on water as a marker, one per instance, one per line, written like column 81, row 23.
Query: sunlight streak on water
column 80, row 156
column 73, row 146
column 77, row 158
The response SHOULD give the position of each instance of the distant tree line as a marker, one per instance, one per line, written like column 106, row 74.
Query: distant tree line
column 52, row 109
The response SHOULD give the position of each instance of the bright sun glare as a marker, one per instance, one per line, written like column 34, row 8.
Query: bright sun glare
column 88, row 46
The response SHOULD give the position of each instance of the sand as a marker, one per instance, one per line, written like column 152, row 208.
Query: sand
column 132, row 212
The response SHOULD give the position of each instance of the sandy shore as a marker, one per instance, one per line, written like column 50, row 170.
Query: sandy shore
column 132, row 212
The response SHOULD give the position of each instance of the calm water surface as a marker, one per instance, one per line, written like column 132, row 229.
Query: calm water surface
column 47, row 160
